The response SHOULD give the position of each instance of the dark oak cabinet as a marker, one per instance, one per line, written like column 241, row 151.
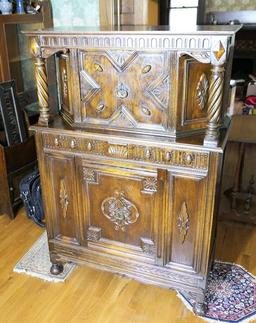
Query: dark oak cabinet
column 130, row 167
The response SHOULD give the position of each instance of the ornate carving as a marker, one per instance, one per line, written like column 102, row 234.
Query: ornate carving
column 41, row 82
column 127, row 43
column 202, row 91
column 219, row 50
column 89, row 87
column 90, row 175
column 119, row 210
column 160, row 91
column 63, row 195
column 100, row 108
column 65, row 82
column 123, row 118
column 121, row 59
column 122, row 91
column 146, row 111
column 98, row 67
column 146, row 69
column 148, row 246
column 94, row 233
column 214, row 106
column 149, row 185
column 119, row 151
column 183, row 222
column 166, row 156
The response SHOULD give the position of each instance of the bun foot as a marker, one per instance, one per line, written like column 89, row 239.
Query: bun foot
column 199, row 309
column 56, row 269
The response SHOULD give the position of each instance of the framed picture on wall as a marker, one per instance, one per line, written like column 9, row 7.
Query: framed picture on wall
column 11, row 114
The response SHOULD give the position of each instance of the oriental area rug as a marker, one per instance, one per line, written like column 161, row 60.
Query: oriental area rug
column 230, row 297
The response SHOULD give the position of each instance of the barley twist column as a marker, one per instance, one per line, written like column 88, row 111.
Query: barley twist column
column 214, row 105
column 41, row 83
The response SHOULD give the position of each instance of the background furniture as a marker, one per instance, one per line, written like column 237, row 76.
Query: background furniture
column 130, row 169
column 129, row 12
column 238, row 201
column 17, row 150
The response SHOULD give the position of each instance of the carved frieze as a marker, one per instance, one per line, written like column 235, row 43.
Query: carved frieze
column 166, row 156
column 119, row 210
column 183, row 222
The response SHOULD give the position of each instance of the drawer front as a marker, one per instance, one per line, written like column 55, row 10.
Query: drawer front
column 137, row 152
column 121, row 207
column 59, row 192
column 124, row 89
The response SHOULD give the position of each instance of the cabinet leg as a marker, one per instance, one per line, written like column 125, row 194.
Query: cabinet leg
column 56, row 269
column 199, row 308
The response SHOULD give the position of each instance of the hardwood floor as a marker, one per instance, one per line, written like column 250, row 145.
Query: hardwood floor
column 93, row 296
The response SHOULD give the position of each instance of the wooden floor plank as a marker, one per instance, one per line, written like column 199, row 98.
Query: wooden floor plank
column 94, row 296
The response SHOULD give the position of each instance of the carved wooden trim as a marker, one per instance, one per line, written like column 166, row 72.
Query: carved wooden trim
column 119, row 210
column 202, row 91
column 165, row 156
column 41, row 82
column 149, row 185
column 148, row 246
column 183, row 222
column 214, row 106
column 94, row 233
column 90, row 175
column 63, row 196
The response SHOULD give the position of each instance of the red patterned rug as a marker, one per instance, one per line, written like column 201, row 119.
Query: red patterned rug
column 230, row 296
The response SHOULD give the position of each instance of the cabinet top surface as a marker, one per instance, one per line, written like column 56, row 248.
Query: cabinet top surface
column 203, row 29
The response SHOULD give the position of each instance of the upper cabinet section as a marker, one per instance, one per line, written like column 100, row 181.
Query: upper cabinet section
column 138, row 79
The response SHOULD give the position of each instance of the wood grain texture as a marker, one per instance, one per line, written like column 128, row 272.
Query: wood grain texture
column 112, row 298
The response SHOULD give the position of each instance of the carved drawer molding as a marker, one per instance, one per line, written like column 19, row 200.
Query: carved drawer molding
column 166, row 156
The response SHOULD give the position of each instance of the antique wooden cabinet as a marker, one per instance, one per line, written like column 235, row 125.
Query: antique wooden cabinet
column 130, row 167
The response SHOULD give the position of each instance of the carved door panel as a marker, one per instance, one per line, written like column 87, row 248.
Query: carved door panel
column 121, row 206
column 65, row 83
column 124, row 89
column 194, row 78
column 60, row 195
column 186, row 215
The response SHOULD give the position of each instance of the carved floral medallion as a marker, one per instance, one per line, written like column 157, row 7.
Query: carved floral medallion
column 202, row 91
column 119, row 210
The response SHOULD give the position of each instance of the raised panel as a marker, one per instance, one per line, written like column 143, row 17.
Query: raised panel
column 122, row 208
column 186, row 217
column 61, row 193
column 193, row 93
column 65, row 85
column 124, row 89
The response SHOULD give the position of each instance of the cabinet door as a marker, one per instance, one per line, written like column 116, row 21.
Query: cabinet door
column 60, row 195
column 186, row 220
column 122, row 205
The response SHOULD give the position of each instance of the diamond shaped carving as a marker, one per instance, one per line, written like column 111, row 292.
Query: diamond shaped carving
column 123, row 118
column 160, row 91
column 89, row 87
column 121, row 59
column 219, row 51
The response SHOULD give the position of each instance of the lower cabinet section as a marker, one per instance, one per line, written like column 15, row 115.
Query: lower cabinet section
column 153, row 224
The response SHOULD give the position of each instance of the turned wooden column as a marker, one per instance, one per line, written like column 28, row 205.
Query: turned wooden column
column 41, row 84
column 214, row 105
